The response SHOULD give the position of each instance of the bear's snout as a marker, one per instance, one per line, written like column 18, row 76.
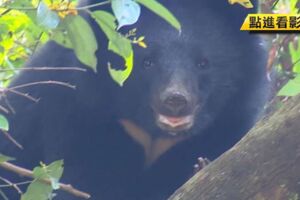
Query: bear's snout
column 175, row 103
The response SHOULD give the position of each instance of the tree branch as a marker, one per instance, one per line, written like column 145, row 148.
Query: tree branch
column 265, row 164
column 27, row 173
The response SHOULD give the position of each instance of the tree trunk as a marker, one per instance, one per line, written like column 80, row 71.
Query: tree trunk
column 264, row 165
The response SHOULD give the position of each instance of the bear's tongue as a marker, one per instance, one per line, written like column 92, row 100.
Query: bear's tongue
column 174, row 121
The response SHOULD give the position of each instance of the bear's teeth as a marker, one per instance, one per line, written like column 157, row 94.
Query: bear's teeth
column 175, row 121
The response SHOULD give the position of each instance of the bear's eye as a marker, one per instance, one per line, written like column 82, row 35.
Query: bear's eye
column 203, row 64
column 147, row 64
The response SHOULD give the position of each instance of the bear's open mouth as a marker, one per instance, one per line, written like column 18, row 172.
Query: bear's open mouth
column 174, row 124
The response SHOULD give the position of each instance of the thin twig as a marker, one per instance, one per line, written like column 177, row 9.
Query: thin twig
column 274, row 4
column 18, row 184
column 27, row 96
column 64, row 9
column 38, row 41
column 19, row 8
column 295, row 63
column 5, row 12
column 3, row 195
column 13, row 89
column 10, row 184
column 12, row 110
column 93, row 5
column 2, row 108
column 43, row 83
column 45, row 69
column 27, row 173
column 13, row 140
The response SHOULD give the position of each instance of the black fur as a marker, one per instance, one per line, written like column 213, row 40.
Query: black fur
column 83, row 128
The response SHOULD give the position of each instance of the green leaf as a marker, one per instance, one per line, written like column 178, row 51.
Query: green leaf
column 245, row 3
column 161, row 11
column 106, row 21
column 4, row 125
column 4, row 158
column 120, row 76
column 292, row 88
column 47, row 17
column 40, row 172
column 25, row 4
column 121, row 46
column 295, row 54
column 127, row 12
column 293, row 7
column 21, row 3
column 83, row 40
column 37, row 191
column 117, row 43
column 53, row 171
column 60, row 36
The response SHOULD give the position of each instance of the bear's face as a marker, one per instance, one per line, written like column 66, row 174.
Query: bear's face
column 186, row 79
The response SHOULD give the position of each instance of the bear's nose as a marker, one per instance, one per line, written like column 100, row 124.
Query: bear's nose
column 175, row 103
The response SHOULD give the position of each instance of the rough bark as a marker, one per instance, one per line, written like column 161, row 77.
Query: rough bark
column 264, row 165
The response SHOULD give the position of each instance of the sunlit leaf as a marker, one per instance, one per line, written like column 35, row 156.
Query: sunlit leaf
column 4, row 158
column 117, row 43
column 127, row 12
column 83, row 40
column 245, row 3
column 61, row 37
column 21, row 3
column 55, row 171
column 120, row 76
column 295, row 54
column 4, row 125
column 47, row 17
column 161, row 11
column 292, row 88
column 37, row 191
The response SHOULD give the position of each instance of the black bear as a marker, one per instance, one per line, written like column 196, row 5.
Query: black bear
column 190, row 94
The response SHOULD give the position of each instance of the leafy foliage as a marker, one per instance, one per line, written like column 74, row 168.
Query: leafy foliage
column 27, row 24
column 59, row 20
column 117, row 44
column 160, row 10
column 83, row 42
column 40, row 190
column 284, row 53
column 4, row 158
column 127, row 12
column 4, row 125
column 292, row 88
column 245, row 3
